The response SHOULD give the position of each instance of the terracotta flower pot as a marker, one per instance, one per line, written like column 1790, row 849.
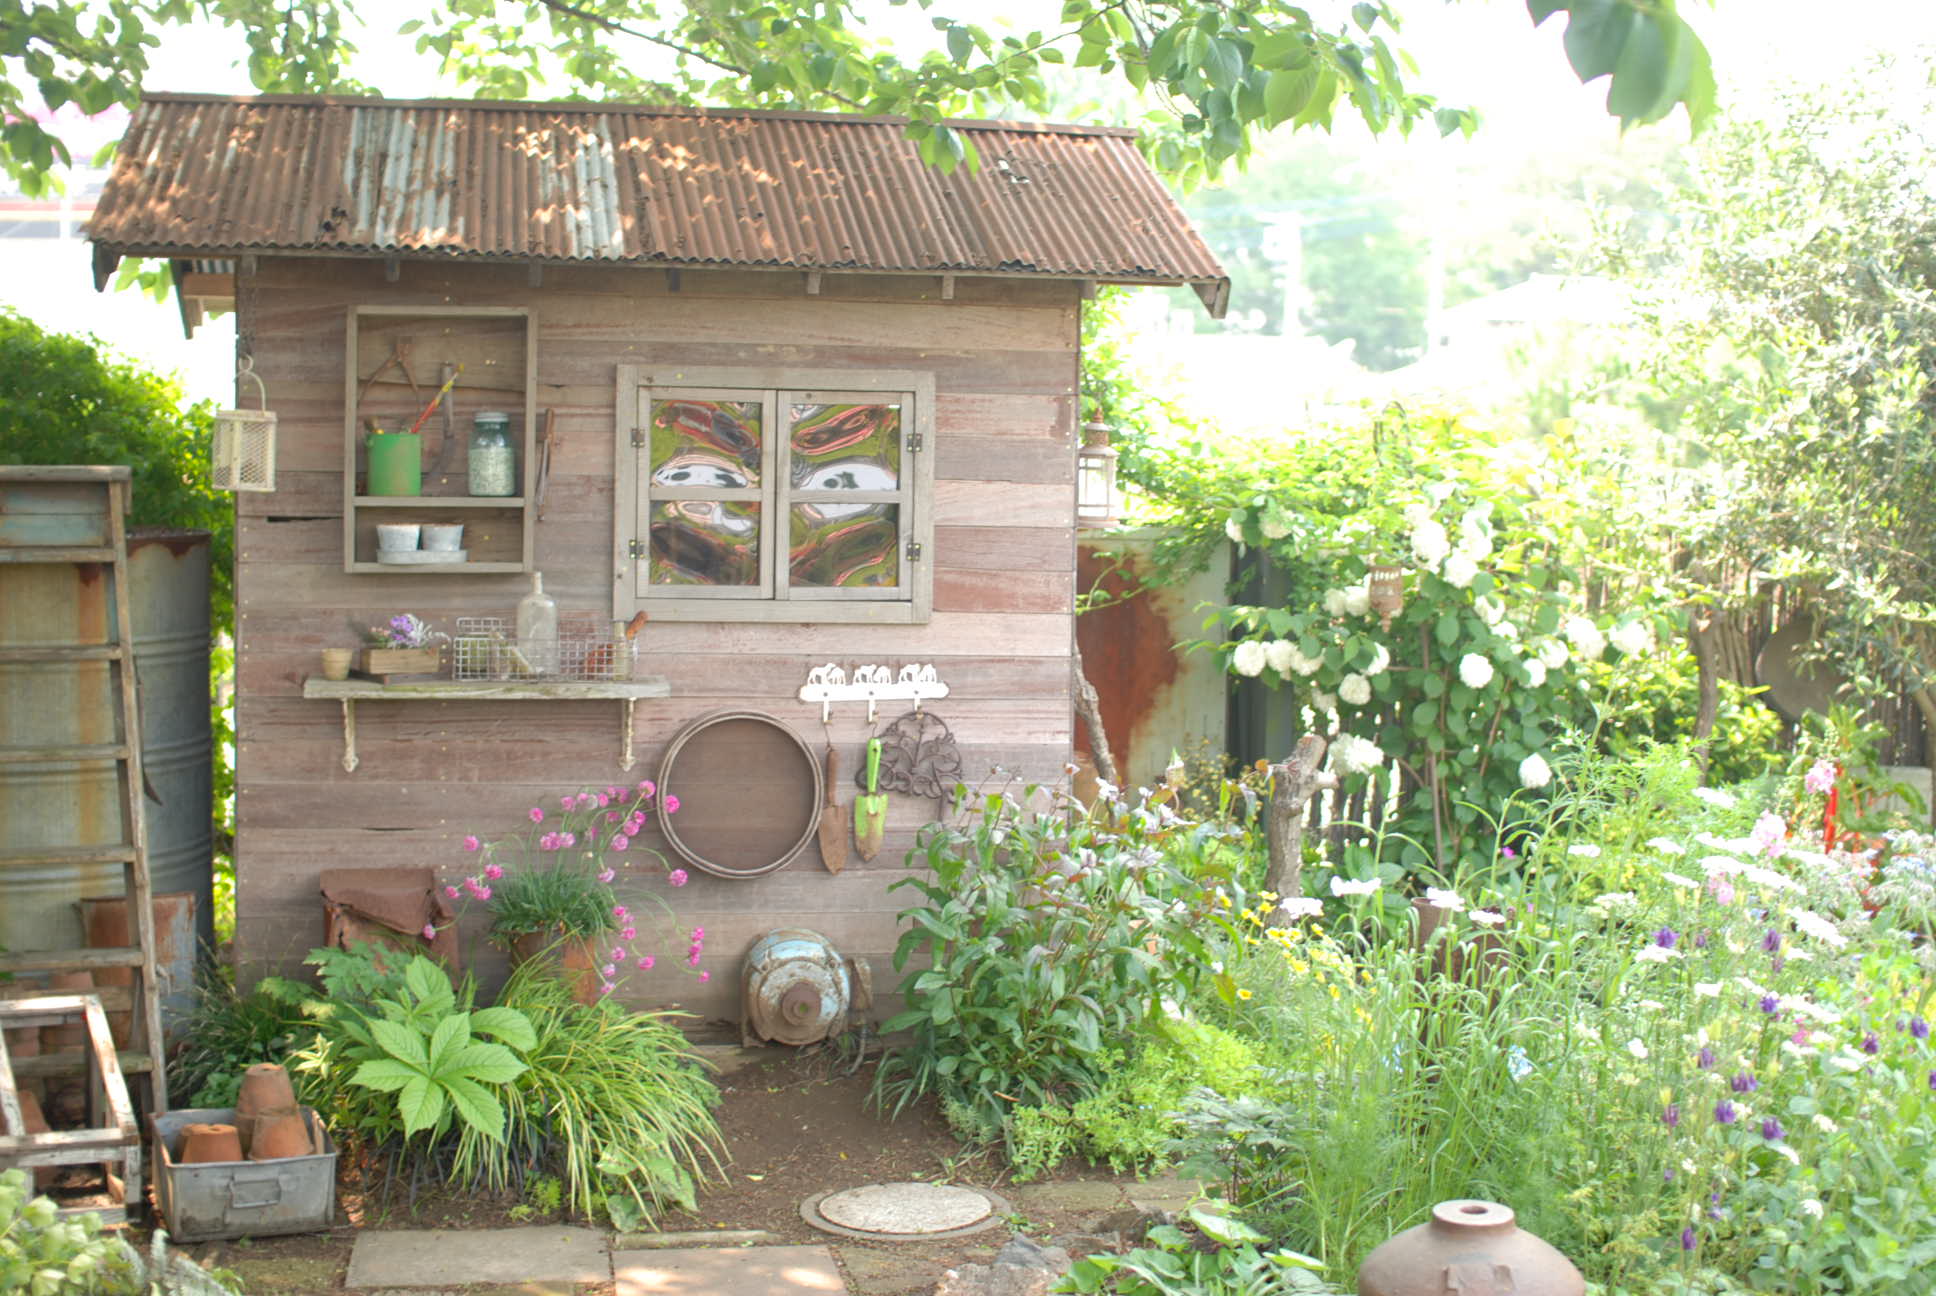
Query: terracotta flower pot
column 578, row 959
column 280, row 1134
column 1471, row 1246
column 207, row 1142
column 265, row 1089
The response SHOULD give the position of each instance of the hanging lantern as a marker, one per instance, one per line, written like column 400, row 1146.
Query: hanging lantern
column 1095, row 477
column 245, row 441
column 1387, row 588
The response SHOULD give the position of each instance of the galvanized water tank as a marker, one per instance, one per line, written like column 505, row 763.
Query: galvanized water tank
column 69, row 701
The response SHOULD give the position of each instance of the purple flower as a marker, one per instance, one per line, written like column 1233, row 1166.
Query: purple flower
column 1777, row 963
column 1668, row 1174
column 1772, row 1131
column 1871, row 1045
column 1725, row 1113
column 1700, row 939
column 1919, row 1028
column 1672, row 1116
column 1666, row 937
column 1770, row 1005
column 1687, row 1238
column 1705, row 1059
column 1743, row 1082
column 1772, row 941
column 1932, row 1079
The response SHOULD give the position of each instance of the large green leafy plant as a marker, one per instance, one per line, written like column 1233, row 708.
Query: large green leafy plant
column 1046, row 936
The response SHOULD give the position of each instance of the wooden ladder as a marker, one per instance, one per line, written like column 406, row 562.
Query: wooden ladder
column 78, row 516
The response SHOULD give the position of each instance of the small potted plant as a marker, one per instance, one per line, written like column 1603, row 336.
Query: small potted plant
column 549, row 886
column 403, row 645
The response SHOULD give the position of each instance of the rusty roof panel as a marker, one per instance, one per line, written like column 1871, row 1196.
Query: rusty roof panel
column 583, row 182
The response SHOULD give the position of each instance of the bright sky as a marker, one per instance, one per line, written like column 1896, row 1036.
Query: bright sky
column 1479, row 52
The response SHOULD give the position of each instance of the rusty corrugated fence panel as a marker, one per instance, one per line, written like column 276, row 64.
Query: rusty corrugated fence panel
column 565, row 182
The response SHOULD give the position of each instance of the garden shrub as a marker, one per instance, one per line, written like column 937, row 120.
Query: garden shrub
column 1646, row 699
column 1131, row 1120
column 42, row 1254
column 1047, row 937
column 228, row 1031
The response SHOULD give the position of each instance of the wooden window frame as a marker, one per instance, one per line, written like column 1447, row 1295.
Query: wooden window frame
column 773, row 600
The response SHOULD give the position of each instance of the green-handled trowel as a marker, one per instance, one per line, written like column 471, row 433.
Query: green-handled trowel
column 870, row 807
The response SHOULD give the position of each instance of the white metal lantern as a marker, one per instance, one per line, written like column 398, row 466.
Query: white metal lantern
column 1095, row 477
column 245, row 442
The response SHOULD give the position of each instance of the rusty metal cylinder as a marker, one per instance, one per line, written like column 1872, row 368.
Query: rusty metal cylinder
column 72, row 801
column 1471, row 1247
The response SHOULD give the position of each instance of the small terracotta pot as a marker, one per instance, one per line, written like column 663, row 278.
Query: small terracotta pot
column 278, row 1135
column 201, row 1144
column 265, row 1088
column 576, row 958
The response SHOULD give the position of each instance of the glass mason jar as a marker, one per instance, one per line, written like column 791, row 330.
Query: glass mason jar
column 493, row 460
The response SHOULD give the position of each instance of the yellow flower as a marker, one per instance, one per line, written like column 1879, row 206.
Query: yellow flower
column 1243, row 994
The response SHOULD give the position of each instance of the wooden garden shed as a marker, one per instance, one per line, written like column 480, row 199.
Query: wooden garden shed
column 679, row 311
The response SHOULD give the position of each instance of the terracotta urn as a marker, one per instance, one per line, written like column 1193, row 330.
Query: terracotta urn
column 280, row 1134
column 203, row 1143
column 577, row 959
column 1473, row 1248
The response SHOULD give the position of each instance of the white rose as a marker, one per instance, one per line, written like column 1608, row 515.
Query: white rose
column 1277, row 654
column 1380, row 661
column 1535, row 672
column 1334, row 600
column 1272, row 528
column 1357, row 601
column 1475, row 671
column 1585, row 637
column 1632, row 638
column 1552, row 653
column 1355, row 689
column 1490, row 610
column 1234, row 528
column 1430, row 543
column 1248, row 658
column 1534, row 772
column 1459, row 570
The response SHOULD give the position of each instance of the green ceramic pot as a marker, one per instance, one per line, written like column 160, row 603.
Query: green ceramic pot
column 396, row 463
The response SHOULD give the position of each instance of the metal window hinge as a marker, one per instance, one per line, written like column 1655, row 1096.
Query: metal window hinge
column 915, row 442
column 914, row 551
column 638, row 438
column 635, row 548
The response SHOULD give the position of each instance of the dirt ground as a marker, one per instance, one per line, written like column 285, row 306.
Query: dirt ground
column 794, row 1124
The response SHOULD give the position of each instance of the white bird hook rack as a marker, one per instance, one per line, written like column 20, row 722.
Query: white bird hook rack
column 871, row 684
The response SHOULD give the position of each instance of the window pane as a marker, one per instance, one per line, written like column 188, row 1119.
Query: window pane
column 846, row 546
column 846, row 447
column 705, row 542
column 705, row 443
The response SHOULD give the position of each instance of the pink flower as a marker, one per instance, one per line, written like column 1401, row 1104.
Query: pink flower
column 619, row 842
column 705, row 977
column 450, row 892
column 603, row 800
column 612, row 793
column 671, row 804
column 548, row 842
column 606, row 875
column 611, row 816
column 677, row 877
column 635, row 823
column 645, row 962
column 537, row 815
column 1768, row 832
column 567, row 802
column 430, row 931
column 628, row 933
column 1820, row 777
column 618, row 954
column 483, row 893
column 608, row 971
column 1721, row 889
column 692, row 958
column 647, row 786
column 699, row 933
column 620, row 912
column 493, row 872
column 605, row 988
column 567, row 839
column 472, row 844
column 586, row 800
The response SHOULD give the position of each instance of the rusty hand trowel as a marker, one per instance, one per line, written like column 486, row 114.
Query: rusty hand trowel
column 870, row 807
column 833, row 832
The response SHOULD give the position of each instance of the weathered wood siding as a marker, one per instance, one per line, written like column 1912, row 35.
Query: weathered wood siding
column 1004, row 358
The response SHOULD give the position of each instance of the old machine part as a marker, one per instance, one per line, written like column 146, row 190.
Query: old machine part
column 798, row 989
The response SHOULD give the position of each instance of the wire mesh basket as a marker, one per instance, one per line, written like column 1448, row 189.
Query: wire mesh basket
column 485, row 648
column 589, row 651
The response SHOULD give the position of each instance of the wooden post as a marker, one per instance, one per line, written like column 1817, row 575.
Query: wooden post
column 1293, row 781
column 1089, row 711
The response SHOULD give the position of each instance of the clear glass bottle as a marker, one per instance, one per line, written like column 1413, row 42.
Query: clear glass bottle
column 493, row 459
column 538, row 628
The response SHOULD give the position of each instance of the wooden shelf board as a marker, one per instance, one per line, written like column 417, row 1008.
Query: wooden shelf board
column 507, row 502
column 360, row 690
column 437, row 569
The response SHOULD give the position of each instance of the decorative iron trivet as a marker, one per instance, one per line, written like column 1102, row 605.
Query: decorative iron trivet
column 919, row 757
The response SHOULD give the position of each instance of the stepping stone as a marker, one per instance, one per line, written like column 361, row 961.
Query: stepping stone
column 1068, row 1195
column 387, row 1258
column 734, row 1271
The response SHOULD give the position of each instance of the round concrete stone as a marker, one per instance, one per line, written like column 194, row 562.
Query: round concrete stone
column 905, row 1209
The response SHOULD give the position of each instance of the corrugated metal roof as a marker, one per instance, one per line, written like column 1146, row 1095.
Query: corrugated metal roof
column 583, row 182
